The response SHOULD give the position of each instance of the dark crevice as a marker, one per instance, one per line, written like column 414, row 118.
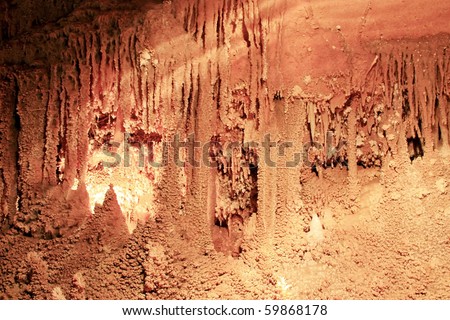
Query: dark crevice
column 18, row 127
column 246, row 34
column 416, row 148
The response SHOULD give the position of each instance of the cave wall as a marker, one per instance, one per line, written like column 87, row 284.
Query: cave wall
column 20, row 17
column 336, row 77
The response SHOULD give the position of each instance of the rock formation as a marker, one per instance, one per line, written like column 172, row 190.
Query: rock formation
column 186, row 149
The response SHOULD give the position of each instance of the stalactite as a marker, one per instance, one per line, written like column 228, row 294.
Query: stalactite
column 115, row 79
column 417, row 71
column 8, row 151
column 354, row 103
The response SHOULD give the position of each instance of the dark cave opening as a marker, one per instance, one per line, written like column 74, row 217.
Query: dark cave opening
column 415, row 148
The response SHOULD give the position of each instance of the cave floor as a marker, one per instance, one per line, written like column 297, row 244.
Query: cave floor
column 390, row 242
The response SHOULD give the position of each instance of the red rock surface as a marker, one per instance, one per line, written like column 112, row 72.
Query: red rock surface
column 363, row 85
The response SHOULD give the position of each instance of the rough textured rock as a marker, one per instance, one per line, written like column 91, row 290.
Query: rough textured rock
column 102, row 197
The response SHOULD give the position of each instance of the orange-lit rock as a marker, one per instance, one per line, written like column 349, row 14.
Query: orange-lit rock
column 224, row 149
